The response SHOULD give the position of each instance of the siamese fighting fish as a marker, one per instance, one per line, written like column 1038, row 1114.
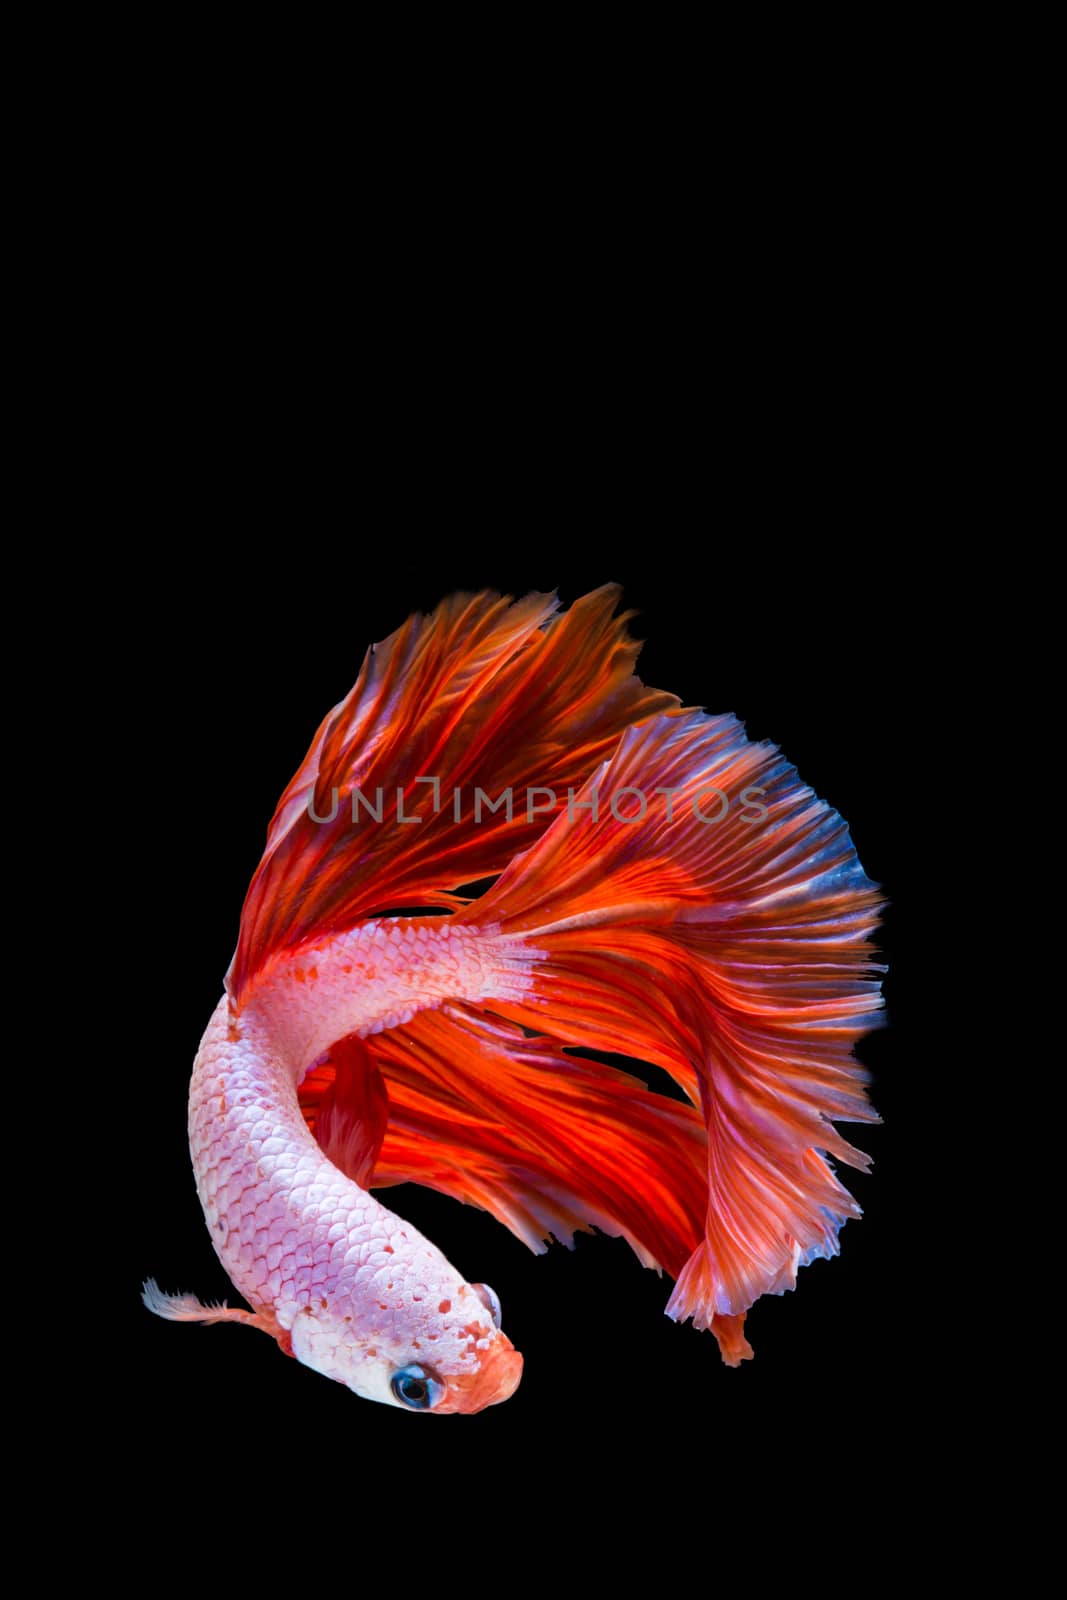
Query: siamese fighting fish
column 659, row 887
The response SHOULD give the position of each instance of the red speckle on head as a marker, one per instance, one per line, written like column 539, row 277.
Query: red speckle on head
column 494, row 1379
column 325, row 1307
column 445, row 1307
column 388, row 1249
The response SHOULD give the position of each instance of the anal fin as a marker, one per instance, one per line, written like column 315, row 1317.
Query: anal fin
column 346, row 1104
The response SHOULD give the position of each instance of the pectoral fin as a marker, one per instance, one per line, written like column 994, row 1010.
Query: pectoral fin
column 187, row 1308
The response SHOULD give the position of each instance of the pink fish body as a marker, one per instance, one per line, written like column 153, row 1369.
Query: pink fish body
column 680, row 898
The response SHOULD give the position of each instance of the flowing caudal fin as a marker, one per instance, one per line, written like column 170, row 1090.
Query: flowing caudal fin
column 482, row 694
column 549, row 1143
column 700, row 908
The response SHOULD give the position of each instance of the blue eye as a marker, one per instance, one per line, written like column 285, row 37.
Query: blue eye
column 417, row 1388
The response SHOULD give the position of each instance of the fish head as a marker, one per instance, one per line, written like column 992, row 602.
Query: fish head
column 413, row 1334
column 495, row 1373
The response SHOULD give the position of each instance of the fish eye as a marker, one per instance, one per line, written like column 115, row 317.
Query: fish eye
column 416, row 1388
column 490, row 1300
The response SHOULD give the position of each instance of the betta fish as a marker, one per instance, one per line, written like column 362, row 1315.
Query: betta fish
column 659, row 886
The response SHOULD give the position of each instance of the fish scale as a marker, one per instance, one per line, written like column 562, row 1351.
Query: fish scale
column 379, row 974
column 295, row 1235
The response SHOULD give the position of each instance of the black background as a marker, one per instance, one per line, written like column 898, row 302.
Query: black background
column 780, row 594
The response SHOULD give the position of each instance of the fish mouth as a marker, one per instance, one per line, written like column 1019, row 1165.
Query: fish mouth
column 496, row 1378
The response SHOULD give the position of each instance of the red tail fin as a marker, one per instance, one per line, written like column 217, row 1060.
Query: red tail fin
column 714, row 919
